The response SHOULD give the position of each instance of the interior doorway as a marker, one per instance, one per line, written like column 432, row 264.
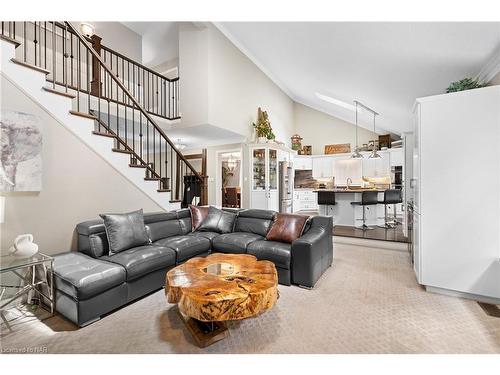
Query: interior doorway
column 230, row 175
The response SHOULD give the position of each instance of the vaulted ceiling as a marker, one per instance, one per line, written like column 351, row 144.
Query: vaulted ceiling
column 384, row 65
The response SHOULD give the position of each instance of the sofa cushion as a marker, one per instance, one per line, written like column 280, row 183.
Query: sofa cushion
column 277, row 252
column 286, row 227
column 184, row 217
column 208, row 235
column 125, row 231
column 162, row 225
column 82, row 277
column 218, row 221
column 142, row 260
column 235, row 243
column 198, row 214
column 186, row 246
column 254, row 221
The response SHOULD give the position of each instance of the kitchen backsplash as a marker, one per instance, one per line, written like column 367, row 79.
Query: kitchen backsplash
column 305, row 180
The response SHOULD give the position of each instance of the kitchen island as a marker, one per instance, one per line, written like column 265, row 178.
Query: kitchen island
column 344, row 213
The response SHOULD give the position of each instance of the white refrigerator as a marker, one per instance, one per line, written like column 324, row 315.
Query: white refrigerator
column 456, row 196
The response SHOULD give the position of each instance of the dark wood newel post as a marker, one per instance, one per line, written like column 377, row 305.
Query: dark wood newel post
column 96, row 71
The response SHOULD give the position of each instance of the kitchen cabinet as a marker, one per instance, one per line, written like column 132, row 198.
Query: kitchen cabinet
column 305, row 200
column 302, row 162
column 380, row 167
column 347, row 168
column 322, row 167
column 397, row 156
column 264, row 159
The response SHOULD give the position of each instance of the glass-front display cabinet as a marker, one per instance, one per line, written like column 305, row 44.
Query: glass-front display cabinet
column 265, row 159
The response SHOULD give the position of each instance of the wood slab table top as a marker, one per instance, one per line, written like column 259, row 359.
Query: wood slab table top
column 223, row 287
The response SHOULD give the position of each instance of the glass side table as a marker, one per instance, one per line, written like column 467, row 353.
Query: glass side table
column 35, row 274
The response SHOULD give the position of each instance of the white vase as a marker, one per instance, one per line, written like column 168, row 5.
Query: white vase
column 24, row 247
column 261, row 140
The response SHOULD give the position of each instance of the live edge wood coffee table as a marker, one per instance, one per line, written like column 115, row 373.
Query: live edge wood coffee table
column 210, row 291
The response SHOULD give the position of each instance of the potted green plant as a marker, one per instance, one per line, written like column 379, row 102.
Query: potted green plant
column 263, row 128
column 464, row 84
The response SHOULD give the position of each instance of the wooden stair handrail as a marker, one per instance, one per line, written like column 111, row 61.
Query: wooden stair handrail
column 132, row 98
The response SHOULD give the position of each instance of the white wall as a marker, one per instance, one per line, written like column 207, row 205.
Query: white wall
column 193, row 70
column 220, row 86
column 77, row 185
column 319, row 129
column 120, row 38
column 237, row 87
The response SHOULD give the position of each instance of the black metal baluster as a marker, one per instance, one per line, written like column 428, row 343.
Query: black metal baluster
column 54, row 46
column 78, row 84
column 88, row 62
column 101, row 71
column 133, row 127
column 168, row 98
column 110, row 88
column 157, row 98
column 71, row 57
column 124, row 102
column 117, row 100
column 25, row 41
column 45, row 42
column 65, row 59
column 35, row 41
column 140, row 133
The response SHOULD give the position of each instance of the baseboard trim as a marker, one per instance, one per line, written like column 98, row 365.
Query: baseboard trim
column 379, row 244
column 454, row 293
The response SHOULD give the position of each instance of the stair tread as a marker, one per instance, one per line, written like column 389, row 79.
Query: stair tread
column 163, row 190
column 82, row 114
column 27, row 65
column 152, row 178
column 10, row 40
column 137, row 166
column 103, row 134
column 175, row 201
column 121, row 150
column 54, row 91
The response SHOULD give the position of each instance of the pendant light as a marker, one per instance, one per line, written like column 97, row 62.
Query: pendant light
column 179, row 145
column 374, row 154
column 356, row 154
column 232, row 163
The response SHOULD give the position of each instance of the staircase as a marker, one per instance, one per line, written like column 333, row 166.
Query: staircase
column 108, row 101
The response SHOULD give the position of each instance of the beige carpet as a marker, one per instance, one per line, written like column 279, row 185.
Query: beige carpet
column 368, row 302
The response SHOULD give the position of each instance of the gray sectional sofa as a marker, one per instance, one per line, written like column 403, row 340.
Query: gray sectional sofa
column 90, row 283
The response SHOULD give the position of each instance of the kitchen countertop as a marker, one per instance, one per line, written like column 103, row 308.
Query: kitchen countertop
column 348, row 190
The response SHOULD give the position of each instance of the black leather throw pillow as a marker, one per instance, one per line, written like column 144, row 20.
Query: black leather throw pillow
column 217, row 221
column 125, row 231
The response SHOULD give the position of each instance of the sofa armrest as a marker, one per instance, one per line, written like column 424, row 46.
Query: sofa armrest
column 312, row 253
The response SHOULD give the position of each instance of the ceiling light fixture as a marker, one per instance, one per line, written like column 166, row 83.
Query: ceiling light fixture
column 87, row 29
column 356, row 154
column 179, row 145
column 232, row 162
column 374, row 154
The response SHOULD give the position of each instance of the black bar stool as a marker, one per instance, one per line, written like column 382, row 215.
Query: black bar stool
column 391, row 196
column 368, row 198
column 326, row 197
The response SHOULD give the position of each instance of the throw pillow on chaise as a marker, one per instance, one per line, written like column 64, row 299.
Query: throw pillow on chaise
column 125, row 231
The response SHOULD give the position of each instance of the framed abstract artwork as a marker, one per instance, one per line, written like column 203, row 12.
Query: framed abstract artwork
column 20, row 151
